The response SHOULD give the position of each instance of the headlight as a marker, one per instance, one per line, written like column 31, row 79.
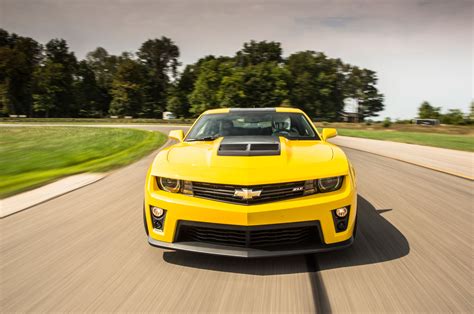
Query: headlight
column 323, row 185
column 169, row 185
column 329, row 184
column 175, row 185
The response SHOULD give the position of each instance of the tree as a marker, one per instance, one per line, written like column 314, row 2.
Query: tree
column 426, row 111
column 55, row 81
column 50, row 81
column 471, row 114
column 174, row 105
column 454, row 116
column 182, row 88
column 360, row 84
column 254, row 53
column 128, row 88
column 89, row 97
column 160, row 58
column 208, row 82
column 49, row 88
column 19, row 57
column 261, row 85
column 316, row 84
column 104, row 67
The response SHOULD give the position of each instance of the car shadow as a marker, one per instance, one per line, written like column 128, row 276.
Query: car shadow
column 377, row 241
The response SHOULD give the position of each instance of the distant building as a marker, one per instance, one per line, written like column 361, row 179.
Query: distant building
column 350, row 113
column 349, row 117
column 427, row 121
column 167, row 115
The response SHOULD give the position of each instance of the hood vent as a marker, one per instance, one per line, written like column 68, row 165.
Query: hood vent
column 249, row 146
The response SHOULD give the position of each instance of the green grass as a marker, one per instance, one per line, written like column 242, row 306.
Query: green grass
column 33, row 156
column 95, row 120
column 458, row 142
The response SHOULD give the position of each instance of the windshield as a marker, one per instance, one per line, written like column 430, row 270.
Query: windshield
column 291, row 125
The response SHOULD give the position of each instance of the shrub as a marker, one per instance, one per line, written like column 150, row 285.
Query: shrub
column 387, row 123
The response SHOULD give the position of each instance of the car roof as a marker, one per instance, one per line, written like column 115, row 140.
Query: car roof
column 273, row 109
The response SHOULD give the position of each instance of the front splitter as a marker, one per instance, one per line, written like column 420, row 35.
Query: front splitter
column 243, row 252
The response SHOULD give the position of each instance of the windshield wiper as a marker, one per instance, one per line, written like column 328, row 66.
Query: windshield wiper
column 206, row 138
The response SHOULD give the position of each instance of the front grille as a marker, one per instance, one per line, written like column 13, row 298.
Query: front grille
column 269, row 192
column 251, row 237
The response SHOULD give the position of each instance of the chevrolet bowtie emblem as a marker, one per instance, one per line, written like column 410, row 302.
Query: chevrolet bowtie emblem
column 247, row 194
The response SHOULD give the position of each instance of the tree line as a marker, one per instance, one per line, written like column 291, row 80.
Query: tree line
column 49, row 81
column 452, row 116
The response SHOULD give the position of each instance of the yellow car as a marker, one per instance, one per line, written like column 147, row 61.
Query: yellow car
column 251, row 183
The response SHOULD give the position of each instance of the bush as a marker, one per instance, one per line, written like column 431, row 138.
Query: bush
column 454, row 116
column 387, row 123
column 403, row 121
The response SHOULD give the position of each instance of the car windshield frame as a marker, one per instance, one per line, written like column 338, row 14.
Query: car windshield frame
column 285, row 119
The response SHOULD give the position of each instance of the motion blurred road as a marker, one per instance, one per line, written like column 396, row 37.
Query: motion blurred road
column 87, row 251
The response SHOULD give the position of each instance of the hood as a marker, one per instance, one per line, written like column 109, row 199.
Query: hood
column 295, row 161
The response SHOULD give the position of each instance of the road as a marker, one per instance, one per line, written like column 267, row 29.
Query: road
column 87, row 251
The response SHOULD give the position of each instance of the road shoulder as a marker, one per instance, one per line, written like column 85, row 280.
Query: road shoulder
column 22, row 201
column 453, row 162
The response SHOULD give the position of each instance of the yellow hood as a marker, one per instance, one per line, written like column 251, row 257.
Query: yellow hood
column 298, row 160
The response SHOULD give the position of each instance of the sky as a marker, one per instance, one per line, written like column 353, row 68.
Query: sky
column 421, row 50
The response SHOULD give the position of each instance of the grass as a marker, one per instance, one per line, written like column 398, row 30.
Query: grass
column 33, row 156
column 402, row 127
column 95, row 120
column 451, row 141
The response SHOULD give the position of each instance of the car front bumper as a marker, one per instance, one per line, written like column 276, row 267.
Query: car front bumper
column 225, row 250
column 317, row 208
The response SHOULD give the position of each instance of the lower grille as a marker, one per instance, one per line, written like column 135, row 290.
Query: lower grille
column 250, row 237
column 269, row 192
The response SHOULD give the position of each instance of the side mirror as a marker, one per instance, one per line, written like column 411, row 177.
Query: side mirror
column 328, row 133
column 177, row 135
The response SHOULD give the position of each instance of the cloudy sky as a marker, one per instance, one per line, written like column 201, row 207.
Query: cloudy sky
column 421, row 50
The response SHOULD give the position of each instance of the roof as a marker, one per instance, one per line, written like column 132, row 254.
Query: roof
column 276, row 109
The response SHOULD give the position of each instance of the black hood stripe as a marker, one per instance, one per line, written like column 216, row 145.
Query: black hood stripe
column 252, row 110
column 249, row 146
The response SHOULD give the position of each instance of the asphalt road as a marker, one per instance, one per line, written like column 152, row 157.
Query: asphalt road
column 87, row 251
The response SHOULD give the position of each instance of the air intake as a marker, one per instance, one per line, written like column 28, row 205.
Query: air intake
column 249, row 146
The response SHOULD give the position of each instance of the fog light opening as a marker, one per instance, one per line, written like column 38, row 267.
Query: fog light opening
column 340, row 217
column 341, row 225
column 158, row 225
column 341, row 212
column 157, row 212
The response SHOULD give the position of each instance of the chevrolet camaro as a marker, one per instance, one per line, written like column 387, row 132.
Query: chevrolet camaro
column 251, row 183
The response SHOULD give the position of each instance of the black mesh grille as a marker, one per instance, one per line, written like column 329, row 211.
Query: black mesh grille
column 269, row 192
column 264, row 146
column 251, row 237
column 227, row 147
